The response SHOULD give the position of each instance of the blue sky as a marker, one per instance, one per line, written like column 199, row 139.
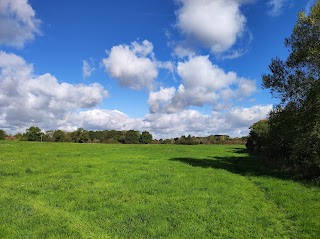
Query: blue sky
column 171, row 67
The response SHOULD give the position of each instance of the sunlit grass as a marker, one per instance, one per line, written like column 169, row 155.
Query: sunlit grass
column 56, row 190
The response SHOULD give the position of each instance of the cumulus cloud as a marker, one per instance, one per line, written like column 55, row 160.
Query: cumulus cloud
column 101, row 119
column 26, row 99
column 87, row 68
column 159, row 100
column 202, row 83
column 234, row 122
column 18, row 23
column 242, row 117
column 183, row 123
column 246, row 87
column 133, row 66
column 216, row 24
column 277, row 7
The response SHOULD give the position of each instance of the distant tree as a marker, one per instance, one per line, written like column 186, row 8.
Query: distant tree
column 79, row 136
column 3, row 134
column 48, row 136
column 188, row 140
column 183, row 140
column 33, row 134
column 132, row 137
column 155, row 141
column 145, row 138
column 258, row 136
column 114, row 136
column 59, row 136
column 168, row 141
column 20, row 136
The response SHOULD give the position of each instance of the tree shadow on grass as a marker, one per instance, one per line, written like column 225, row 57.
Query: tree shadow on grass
column 244, row 164
column 239, row 151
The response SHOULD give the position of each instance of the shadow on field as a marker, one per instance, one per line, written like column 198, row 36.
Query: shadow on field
column 245, row 164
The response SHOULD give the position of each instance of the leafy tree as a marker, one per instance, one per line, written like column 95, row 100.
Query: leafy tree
column 33, row 134
column 21, row 137
column 48, row 136
column 79, row 136
column 59, row 136
column 145, row 138
column 3, row 134
column 295, row 123
column 132, row 137
column 188, row 140
column 114, row 136
column 258, row 136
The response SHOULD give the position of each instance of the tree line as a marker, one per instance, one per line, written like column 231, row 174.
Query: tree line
column 290, row 137
column 85, row 136
column 116, row 137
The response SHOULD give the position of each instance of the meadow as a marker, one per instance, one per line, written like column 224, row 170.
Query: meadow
column 65, row 190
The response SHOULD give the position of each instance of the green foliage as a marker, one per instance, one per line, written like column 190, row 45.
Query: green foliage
column 58, row 190
column 33, row 134
column 59, row 136
column 21, row 137
column 291, row 80
column 145, row 138
column 48, row 136
column 132, row 137
column 79, row 136
column 295, row 124
column 124, row 137
column 258, row 136
column 188, row 140
column 212, row 139
column 3, row 134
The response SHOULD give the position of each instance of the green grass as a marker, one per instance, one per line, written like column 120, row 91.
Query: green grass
column 64, row 190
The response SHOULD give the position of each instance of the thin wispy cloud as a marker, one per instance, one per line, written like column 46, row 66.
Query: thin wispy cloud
column 87, row 68
column 309, row 6
column 276, row 7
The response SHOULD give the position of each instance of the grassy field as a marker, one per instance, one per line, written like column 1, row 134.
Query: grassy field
column 64, row 190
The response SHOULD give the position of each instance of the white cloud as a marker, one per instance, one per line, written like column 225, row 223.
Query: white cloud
column 18, row 23
column 216, row 24
column 183, row 51
column 242, row 117
column 99, row 119
column 132, row 66
column 27, row 99
column 183, row 123
column 87, row 68
column 235, row 122
column 202, row 83
column 200, row 72
column 277, row 7
column 167, row 65
column 160, row 99
column 246, row 87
